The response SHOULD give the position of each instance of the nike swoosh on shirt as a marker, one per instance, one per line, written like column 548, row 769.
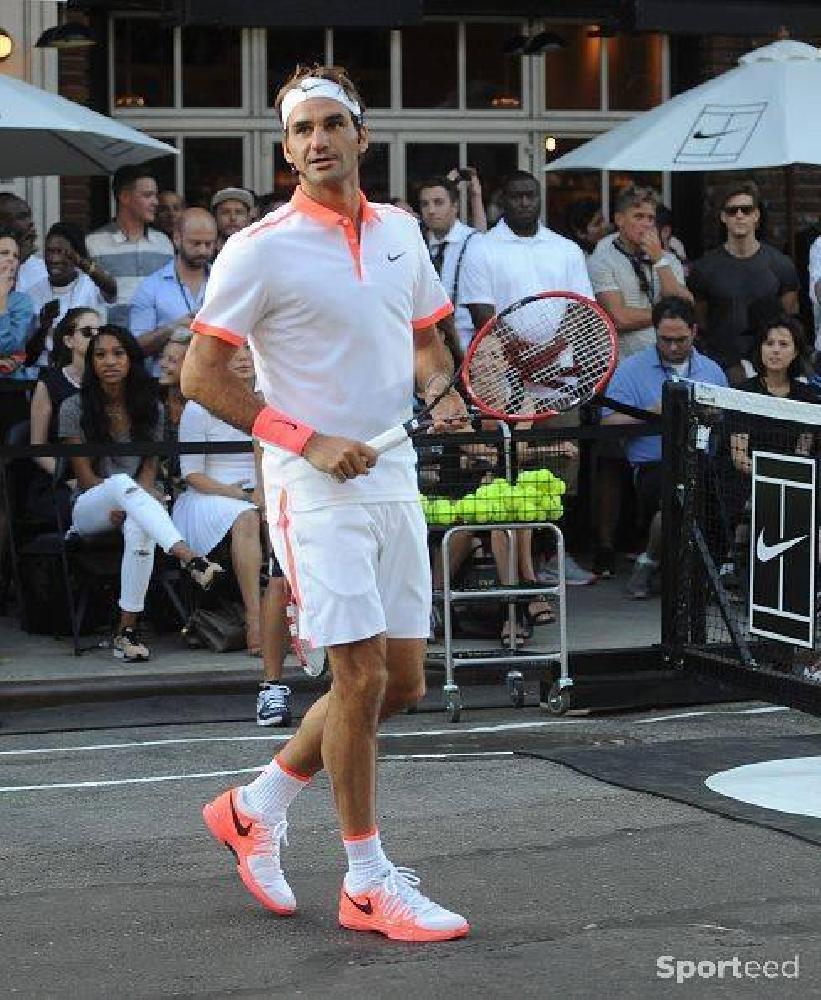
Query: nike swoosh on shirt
column 765, row 552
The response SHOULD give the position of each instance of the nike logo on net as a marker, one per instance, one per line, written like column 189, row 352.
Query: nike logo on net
column 364, row 907
column 396, row 256
column 766, row 552
column 242, row 830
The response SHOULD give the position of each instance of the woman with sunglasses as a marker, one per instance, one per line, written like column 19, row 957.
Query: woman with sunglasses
column 54, row 386
column 117, row 403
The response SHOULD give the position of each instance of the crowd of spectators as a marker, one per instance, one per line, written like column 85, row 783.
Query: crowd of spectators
column 99, row 325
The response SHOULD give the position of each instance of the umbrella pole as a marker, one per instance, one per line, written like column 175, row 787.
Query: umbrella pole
column 789, row 207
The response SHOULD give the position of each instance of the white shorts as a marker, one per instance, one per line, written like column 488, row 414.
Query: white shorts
column 356, row 571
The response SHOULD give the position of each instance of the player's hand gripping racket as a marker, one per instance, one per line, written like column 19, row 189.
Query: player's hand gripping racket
column 542, row 356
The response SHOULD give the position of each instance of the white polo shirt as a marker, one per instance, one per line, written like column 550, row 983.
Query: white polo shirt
column 500, row 267
column 452, row 273
column 329, row 319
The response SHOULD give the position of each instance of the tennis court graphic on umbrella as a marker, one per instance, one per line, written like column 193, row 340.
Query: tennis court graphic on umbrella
column 782, row 557
column 720, row 133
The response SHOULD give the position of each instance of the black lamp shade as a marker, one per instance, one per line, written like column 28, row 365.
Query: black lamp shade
column 66, row 36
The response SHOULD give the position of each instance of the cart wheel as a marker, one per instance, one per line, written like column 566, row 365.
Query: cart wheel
column 516, row 689
column 558, row 700
column 453, row 705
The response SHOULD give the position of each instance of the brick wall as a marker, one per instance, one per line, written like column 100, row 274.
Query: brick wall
column 81, row 78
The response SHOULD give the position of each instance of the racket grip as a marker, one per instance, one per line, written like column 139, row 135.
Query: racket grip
column 388, row 439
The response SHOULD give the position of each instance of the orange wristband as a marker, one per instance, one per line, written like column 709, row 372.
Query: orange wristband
column 282, row 430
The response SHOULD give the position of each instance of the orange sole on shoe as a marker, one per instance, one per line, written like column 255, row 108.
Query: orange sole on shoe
column 402, row 933
column 354, row 918
column 222, row 831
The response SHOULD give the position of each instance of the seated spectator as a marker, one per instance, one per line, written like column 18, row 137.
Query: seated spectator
column 117, row 403
column 222, row 497
column 170, row 207
column 638, row 382
column 779, row 352
column 72, row 281
column 56, row 383
column 171, row 359
column 171, row 296
column 15, row 214
column 16, row 310
column 585, row 224
column 232, row 208
column 129, row 246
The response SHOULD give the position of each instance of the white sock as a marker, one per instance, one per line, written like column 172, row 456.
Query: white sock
column 273, row 791
column 367, row 862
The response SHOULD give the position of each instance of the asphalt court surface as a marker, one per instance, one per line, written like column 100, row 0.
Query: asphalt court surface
column 111, row 887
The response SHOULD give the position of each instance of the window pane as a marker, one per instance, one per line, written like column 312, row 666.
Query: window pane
column 286, row 48
column 427, row 159
column 634, row 72
column 494, row 80
column 211, row 67
column 165, row 168
column 211, row 164
column 366, row 55
column 566, row 187
column 143, row 64
column 573, row 74
column 429, row 74
column 375, row 172
column 493, row 162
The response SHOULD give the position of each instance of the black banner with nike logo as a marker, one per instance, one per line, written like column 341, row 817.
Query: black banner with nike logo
column 782, row 548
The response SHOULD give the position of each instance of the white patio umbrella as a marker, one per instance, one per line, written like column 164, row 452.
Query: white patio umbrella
column 43, row 134
column 763, row 113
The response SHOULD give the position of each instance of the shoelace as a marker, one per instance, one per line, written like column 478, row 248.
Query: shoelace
column 271, row 838
column 275, row 697
column 400, row 885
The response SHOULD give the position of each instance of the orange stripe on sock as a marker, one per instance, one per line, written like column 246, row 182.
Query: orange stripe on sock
column 348, row 838
column 290, row 771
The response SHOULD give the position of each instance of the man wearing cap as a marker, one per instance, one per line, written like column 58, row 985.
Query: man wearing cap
column 339, row 301
column 232, row 208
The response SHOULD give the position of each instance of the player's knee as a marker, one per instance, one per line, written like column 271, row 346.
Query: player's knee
column 362, row 681
column 402, row 693
column 247, row 523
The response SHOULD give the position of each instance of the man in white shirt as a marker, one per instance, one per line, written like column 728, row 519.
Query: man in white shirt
column 339, row 301
column 516, row 258
column 448, row 240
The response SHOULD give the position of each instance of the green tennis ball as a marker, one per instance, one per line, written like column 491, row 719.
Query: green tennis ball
column 483, row 509
column 542, row 475
column 443, row 512
column 467, row 508
column 528, row 476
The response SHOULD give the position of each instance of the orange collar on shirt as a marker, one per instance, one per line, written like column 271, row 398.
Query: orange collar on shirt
column 321, row 213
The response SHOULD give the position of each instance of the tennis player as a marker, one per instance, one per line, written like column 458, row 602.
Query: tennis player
column 339, row 302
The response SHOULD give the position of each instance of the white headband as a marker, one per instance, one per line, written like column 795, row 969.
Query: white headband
column 314, row 86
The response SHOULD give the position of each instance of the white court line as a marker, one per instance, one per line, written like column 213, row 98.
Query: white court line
column 284, row 737
column 155, row 778
column 716, row 711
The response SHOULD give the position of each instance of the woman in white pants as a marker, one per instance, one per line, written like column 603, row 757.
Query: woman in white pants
column 117, row 403
column 222, row 498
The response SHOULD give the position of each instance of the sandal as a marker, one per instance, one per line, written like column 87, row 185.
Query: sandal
column 545, row 616
column 521, row 638
column 202, row 571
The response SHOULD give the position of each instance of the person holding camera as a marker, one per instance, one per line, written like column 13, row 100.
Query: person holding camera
column 448, row 237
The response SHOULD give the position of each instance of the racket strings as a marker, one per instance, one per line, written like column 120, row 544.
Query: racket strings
column 542, row 356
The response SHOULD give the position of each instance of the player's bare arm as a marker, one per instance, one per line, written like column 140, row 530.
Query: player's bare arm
column 434, row 370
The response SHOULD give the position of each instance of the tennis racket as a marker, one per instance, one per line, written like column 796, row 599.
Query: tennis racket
column 541, row 356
